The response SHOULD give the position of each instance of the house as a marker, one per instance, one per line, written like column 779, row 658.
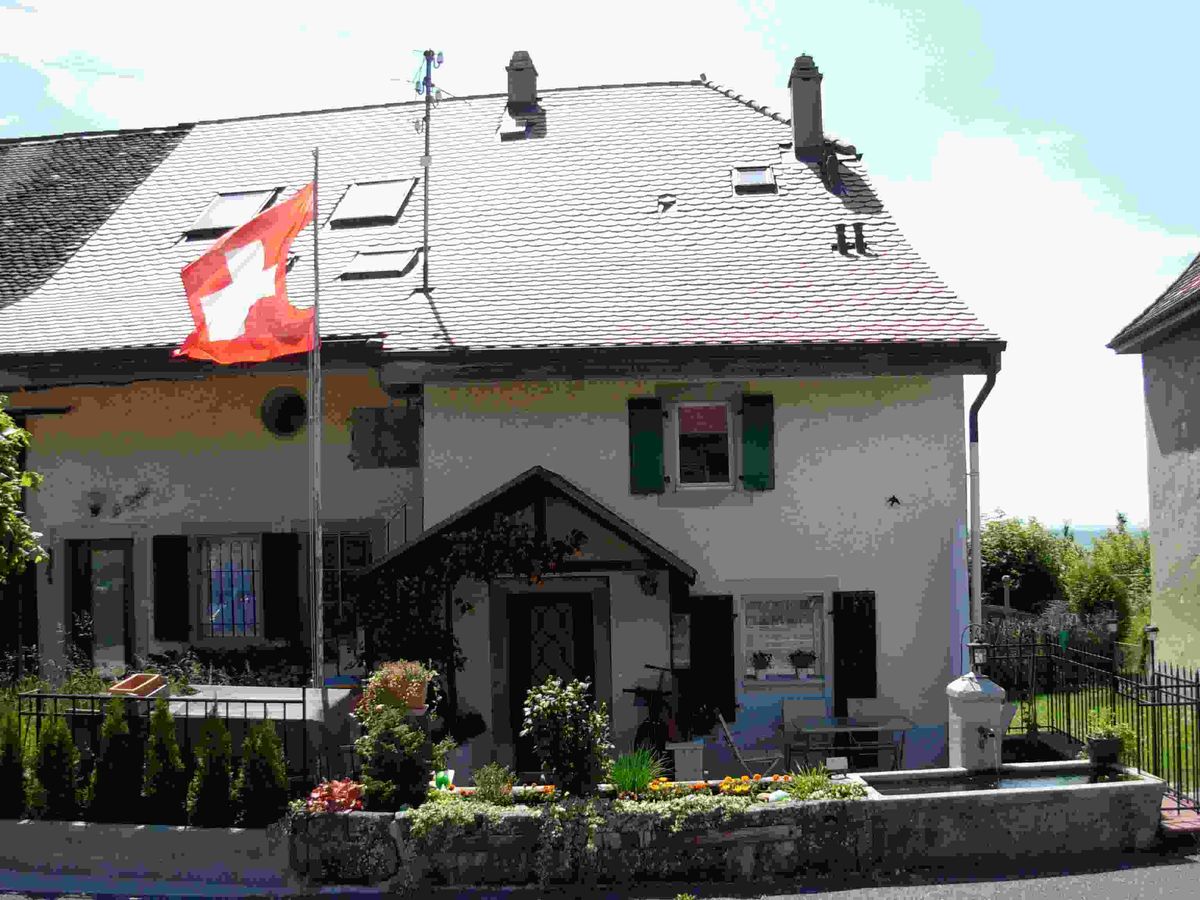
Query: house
column 54, row 192
column 659, row 313
column 1167, row 335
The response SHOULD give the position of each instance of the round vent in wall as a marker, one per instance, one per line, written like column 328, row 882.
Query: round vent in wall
column 284, row 412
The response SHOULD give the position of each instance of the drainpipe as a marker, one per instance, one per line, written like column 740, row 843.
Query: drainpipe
column 973, row 475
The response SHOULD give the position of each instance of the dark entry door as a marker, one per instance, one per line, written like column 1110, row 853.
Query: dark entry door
column 549, row 635
column 854, row 664
column 101, row 592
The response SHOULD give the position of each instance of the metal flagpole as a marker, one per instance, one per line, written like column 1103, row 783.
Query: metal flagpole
column 316, row 582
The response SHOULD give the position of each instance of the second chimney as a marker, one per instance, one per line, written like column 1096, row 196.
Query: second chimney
column 522, row 81
column 807, row 132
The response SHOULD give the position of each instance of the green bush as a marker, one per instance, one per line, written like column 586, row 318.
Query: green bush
column 493, row 784
column 208, row 799
column 163, row 780
column 117, row 778
column 56, row 771
column 395, row 762
column 12, row 767
column 633, row 772
column 260, row 792
column 569, row 733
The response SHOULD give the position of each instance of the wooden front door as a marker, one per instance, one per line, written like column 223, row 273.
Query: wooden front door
column 854, row 663
column 101, row 592
column 549, row 635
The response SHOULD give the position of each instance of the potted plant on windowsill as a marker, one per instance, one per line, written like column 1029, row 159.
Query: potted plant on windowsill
column 1107, row 736
column 760, row 661
column 801, row 659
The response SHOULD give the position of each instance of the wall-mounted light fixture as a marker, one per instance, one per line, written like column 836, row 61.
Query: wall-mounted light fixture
column 649, row 583
column 95, row 502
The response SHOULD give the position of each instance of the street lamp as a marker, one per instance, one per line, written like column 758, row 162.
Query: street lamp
column 1151, row 636
column 977, row 648
column 1006, row 580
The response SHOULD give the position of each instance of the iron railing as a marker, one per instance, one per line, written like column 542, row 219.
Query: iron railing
column 1056, row 680
column 84, row 715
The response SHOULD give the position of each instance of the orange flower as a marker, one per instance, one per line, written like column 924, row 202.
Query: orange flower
column 757, row 777
column 745, row 778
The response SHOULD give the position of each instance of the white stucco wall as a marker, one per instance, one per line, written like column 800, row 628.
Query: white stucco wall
column 842, row 448
column 193, row 458
column 1172, row 389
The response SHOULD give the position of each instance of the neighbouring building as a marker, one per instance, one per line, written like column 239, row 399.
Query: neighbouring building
column 660, row 313
column 1167, row 335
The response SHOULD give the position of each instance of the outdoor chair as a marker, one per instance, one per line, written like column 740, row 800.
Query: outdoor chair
column 752, row 764
column 816, row 747
column 868, row 746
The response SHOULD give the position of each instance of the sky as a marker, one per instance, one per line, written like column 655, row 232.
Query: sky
column 1036, row 154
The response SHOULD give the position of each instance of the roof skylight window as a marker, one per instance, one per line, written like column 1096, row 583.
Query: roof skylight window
column 380, row 264
column 754, row 180
column 372, row 203
column 226, row 211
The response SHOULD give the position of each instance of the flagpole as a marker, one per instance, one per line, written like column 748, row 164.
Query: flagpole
column 315, row 417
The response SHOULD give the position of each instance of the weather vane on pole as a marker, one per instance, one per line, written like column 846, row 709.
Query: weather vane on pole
column 424, row 85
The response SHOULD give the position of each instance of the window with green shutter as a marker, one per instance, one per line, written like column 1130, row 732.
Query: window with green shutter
column 758, row 442
column 646, row 445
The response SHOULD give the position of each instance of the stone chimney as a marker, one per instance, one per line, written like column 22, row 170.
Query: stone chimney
column 522, row 81
column 808, row 136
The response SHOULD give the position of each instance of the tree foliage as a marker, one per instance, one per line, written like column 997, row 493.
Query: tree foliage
column 164, row 783
column 260, row 792
column 210, row 793
column 116, row 780
column 18, row 541
column 1031, row 555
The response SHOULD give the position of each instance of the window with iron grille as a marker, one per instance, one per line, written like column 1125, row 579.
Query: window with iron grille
column 232, row 587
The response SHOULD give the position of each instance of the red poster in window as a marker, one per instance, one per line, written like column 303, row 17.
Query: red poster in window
column 703, row 419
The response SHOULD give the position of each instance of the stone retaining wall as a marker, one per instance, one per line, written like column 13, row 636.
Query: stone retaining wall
column 768, row 841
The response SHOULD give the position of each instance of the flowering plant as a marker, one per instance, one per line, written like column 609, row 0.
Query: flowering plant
column 335, row 796
column 402, row 683
column 748, row 785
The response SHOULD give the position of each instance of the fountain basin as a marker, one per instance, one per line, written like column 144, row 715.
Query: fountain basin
column 1018, row 810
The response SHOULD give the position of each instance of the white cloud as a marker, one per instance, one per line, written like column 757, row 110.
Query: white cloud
column 9, row 120
column 1062, row 436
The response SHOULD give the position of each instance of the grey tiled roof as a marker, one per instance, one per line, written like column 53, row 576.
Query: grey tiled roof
column 1181, row 299
column 54, row 192
column 556, row 241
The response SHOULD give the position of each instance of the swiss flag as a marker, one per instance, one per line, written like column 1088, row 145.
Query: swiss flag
column 238, row 290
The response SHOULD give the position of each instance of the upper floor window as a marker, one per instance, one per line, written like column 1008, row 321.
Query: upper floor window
column 703, row 434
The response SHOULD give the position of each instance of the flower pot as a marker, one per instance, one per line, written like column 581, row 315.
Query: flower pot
column 1104, row 751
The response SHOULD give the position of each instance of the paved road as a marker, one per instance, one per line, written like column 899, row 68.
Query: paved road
column 1169, row 873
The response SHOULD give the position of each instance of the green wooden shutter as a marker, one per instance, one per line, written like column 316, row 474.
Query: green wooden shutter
column 283, row 607
column 172, row 597
column 645, row 445
column 758, row 442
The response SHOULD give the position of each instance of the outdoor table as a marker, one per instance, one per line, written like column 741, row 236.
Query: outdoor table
column 800, row 732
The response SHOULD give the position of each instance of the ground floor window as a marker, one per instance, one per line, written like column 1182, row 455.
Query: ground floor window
column 784, row 636
column 344, row 554
column 231, row 586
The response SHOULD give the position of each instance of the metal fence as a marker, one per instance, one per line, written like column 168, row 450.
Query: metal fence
column 84, row 715
column 1057, row 680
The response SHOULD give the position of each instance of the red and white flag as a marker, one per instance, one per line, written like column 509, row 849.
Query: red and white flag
column 238, row 290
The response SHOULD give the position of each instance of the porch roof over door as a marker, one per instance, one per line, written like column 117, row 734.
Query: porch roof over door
column 535, row 490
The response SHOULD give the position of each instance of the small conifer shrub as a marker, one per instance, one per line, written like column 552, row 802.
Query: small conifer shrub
column 163, row 778
column 116, row 781
column 56, row 768
column 12, row 767
column 208, row 799
column 260, row 791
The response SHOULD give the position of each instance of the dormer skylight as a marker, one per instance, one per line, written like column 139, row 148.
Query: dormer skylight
column 380, row 264
column 226, row 211
column 754, row 180
column 372, row 203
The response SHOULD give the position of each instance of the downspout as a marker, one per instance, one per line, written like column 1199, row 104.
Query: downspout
column 973, row 475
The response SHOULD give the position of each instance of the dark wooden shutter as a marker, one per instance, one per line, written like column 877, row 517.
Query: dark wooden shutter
column 283, row 607
column 758, row 442
column 386, row 437
column 646, row 445
column 854, row 663
column 172, row 593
